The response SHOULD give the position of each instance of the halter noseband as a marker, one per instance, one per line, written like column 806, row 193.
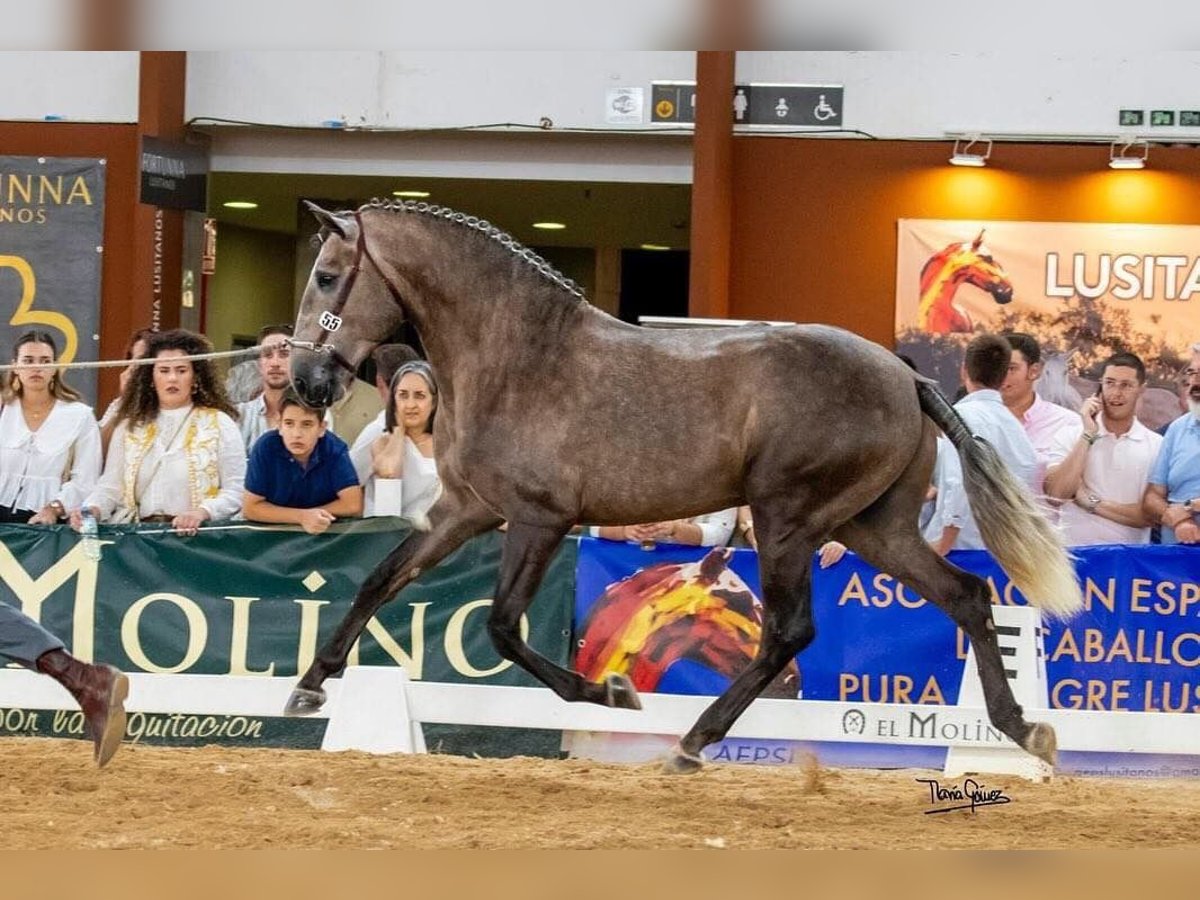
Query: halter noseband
column 321, row 344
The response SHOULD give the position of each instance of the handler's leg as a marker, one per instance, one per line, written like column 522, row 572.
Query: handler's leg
column 100, row 690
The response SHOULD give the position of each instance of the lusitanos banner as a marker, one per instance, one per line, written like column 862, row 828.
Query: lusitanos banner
column 1084, row 290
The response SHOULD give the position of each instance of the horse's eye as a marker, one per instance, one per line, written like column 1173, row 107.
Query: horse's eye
column 324, row 279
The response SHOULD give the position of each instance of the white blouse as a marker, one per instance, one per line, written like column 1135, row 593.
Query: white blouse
column 162, row 485
column 60, row 461
column 418, row 489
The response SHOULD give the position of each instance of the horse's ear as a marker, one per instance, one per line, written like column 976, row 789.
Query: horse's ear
column 975, row 244
column 327, row 219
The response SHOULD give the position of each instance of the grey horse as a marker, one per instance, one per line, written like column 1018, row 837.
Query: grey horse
column 553, row 413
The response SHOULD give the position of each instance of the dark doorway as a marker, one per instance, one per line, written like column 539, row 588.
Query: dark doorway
column 653, row 283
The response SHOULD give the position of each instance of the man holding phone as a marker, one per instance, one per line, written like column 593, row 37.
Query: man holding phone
column 1101, row 461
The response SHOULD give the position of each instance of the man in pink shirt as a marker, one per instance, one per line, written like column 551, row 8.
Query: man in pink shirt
column 1041, row 419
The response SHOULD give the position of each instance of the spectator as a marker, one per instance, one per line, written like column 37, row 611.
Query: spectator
column 354, row 410
column 1040, row 418
column 261, row 414
column 402, row 479
column 1101, row 461
column 711, row 530
column 135, row 348
column 985, row 368
column 49, row 442
column 387, row 358
column 99, row 690
column 1173, row 491
column 301, row 474
column 830, row 554
column 176, row 454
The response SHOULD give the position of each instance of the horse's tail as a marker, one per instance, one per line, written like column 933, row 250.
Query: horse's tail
column 1014, row 530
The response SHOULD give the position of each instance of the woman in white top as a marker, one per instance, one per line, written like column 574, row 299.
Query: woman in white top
column 49, row 442
column 403, row 480
column 176, row 454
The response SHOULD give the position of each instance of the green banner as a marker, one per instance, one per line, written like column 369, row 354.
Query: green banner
column 261, row 601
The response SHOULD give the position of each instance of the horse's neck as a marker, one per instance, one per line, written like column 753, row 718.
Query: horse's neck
column 939, row 289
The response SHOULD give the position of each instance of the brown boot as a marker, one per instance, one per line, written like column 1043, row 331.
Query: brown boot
column 100, row 691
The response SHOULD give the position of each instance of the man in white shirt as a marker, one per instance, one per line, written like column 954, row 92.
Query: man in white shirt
column 1101, row 461
column 985, row 366
column 260, row 415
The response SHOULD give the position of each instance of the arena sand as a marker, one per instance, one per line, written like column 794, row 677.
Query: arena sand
column 214, row 797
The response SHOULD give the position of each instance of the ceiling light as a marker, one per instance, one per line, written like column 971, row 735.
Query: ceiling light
column 549, row 226
column 1130, row 154
column 971, row 151
column 415, row 194
column 240, row 204
column 655, row 247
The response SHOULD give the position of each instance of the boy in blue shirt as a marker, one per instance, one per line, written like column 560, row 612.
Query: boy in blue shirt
column 300, row 474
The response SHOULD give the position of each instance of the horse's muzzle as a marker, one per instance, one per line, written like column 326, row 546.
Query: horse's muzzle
column 317, row 385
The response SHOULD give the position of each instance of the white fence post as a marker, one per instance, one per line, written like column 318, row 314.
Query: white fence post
column 1020, row 635
column 372, row 714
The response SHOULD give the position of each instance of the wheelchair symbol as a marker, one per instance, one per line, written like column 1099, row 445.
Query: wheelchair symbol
column 823, row 112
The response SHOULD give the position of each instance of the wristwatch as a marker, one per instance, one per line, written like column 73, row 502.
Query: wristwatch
column 1091, row 438
column 57, row 506
column 1191, row 505
column 1093, row 500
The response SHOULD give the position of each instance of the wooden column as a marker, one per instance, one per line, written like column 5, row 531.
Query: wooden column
column 712, row 186
column 158, row 231
column 154, row 245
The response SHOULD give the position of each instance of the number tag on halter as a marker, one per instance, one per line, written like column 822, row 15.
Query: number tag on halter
column 329, row 321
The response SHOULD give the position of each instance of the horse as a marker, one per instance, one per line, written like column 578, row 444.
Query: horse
column 966, row 262
column 552, row 413
column 1059, row 385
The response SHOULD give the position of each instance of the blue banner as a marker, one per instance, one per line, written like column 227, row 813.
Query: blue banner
column 1135, row 647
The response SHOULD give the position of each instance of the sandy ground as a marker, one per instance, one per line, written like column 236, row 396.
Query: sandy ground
column 213, row 797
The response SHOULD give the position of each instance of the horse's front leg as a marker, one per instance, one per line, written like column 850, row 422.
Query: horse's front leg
column 528, row 550
column 455, row 523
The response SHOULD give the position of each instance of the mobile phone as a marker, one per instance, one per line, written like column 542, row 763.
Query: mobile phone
column 1099, row 389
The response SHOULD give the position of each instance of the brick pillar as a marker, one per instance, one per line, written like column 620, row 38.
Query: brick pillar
column 712, row 186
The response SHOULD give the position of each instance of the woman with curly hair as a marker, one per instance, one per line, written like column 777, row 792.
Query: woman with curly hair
column 176, row 454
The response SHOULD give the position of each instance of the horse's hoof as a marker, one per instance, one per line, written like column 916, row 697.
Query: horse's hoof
column 304, row 702
column 620, row 693
column 680, row 762
column 1042, row 742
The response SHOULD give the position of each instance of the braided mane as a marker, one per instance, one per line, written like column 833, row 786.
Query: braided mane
column 486, row 228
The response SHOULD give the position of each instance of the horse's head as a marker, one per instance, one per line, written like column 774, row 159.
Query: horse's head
column 348, row 308
column 977, row 266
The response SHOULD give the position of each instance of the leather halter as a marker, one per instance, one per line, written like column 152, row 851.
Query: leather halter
column 321, row 344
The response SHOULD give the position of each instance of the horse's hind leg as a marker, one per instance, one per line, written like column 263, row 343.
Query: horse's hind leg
column 788, row 628
column 455, row 523
column 897, row 548
column 527, row 551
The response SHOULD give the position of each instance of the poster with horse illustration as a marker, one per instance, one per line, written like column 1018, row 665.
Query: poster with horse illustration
column 1084, row 290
